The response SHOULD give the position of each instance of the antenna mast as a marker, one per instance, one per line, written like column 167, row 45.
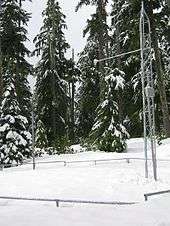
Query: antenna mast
column 147, row 92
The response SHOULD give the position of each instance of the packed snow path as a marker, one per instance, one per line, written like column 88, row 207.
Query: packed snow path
column 111, row 181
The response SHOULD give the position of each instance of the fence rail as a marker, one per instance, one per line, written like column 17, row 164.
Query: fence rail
column 65, row 163
column 155, row 193
column 57, row 201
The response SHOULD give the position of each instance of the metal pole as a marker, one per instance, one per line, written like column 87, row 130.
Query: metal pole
column 153, row 132
column 143, row 88
column 116, row 56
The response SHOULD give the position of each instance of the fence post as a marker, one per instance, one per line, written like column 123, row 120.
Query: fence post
column 57, row 203
column 33, row 138
column 1, row 167
column 146, row 197
column 128, row 160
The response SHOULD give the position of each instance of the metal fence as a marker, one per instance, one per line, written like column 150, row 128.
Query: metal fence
column 65, row 163
column 155, row 193
column 58, row 201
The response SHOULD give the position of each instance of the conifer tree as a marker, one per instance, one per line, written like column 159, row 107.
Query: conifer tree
column 158, row 14
column 97, row 28
column 125, row 16
column 72, row 77
column 92, row 85
column 15, row 139
column 1, row 79
column 108, row 133
column 51, row 88
column 125, row 38
column 89, row 90
column 13, row 35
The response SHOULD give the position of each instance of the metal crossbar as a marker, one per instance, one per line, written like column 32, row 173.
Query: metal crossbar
column 57, row 201
column 155, row 193
column 28, row 163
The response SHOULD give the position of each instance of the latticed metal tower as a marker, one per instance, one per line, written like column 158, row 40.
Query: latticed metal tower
column 147, row 92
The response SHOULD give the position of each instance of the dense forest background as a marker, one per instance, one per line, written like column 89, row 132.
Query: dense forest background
column 97, row 104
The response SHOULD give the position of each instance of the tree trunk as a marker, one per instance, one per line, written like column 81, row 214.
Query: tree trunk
column 120, row 99
column 159, row 71
column 102, row 42
column 54, row 100
column 20, row 5
column 72, row 135
column 72, row 110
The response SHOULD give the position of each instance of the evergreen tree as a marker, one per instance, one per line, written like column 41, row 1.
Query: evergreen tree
column 92, row 78
column 97, row 28
column 13, row 36
column 1, row 79
column 108, row 134
column 125, row 38
column 15, row 139
column 51, row 87
column 24, row 95
column 125, row 19
column 72, row 77
column 89, row 90
column 158, row 14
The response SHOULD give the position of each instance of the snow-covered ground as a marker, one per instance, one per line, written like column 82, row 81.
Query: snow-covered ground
column 106, row 181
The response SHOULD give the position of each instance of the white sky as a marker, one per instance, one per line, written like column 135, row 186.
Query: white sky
column 75, row 22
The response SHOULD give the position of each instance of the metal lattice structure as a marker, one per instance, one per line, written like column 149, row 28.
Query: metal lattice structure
column 147, row 92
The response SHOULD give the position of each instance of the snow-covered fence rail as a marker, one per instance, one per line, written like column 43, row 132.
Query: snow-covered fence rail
column 2, row 166
column 155, row 193
column 58, row 201
column 65, row 163
column 95, row 161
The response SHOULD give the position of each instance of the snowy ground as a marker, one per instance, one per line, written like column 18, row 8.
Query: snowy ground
column 106, row 181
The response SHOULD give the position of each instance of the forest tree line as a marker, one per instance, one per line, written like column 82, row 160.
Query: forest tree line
column 96, row 104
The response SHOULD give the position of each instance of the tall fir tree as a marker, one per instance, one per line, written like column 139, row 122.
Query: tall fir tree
column 108, row 133
column 51, row 88
column 15, row 139
column 91, row 89
column 13, row 35
column 97, row 28
column 72, row 78
column 125, row 38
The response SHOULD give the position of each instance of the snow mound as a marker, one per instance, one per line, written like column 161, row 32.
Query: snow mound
column 77, row 148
